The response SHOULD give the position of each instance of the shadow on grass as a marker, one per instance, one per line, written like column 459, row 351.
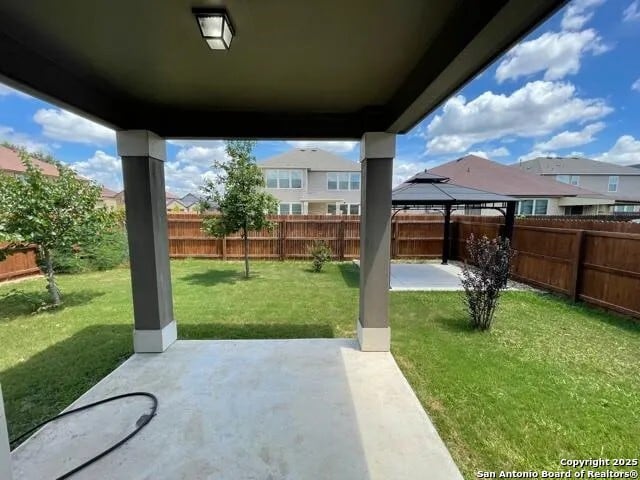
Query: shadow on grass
column 49, row 381
column 16, row 302
column 350, row 274
column 229, row 331
column 214, row 277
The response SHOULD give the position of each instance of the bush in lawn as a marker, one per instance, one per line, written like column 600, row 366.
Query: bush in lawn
column 484, row 276
column 107, row 250
column 321, row 254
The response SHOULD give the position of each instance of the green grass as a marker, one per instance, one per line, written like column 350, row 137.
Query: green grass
column 552, row 380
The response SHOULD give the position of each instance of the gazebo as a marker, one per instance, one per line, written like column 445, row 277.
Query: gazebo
column 433, row 192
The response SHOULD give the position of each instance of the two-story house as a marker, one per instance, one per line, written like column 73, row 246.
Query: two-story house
column 620, row 183
column 313, row 181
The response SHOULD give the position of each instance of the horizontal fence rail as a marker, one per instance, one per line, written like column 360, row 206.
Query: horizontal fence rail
column 595, row 261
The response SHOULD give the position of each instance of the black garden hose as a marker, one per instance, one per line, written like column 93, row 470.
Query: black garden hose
column 140, row 424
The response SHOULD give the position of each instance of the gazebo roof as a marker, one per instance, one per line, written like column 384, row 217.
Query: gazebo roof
column 428, row 189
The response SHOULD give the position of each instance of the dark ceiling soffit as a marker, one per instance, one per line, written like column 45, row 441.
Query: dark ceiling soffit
column 260, row 125
column 35, row 74
column 465, row 24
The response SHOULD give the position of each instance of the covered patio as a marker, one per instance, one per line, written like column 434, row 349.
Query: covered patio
column 277, row 70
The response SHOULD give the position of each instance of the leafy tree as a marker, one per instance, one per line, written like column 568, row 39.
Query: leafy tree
column 238, row 192
column 53, row 213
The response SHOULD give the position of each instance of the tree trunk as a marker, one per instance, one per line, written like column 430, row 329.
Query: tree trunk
column 246, row 252
column 51, row 280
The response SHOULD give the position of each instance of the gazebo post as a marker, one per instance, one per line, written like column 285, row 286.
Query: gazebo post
column 509, row 220
column 446, row 243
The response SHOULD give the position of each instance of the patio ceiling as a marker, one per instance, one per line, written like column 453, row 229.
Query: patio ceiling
column 332, row 70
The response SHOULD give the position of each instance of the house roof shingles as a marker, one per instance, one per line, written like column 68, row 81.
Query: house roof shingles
column 10, row 162
column 312, row 159
column 573, row 166
column 477, row 172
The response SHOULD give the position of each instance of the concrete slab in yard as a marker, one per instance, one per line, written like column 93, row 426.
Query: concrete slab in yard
column 251, row 409
column 425, row 276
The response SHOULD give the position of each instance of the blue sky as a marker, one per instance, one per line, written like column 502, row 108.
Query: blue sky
column 572, row 87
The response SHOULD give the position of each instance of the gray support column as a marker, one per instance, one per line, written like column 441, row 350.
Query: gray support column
column 377, row 150
column 143, row 155
column 5, row 458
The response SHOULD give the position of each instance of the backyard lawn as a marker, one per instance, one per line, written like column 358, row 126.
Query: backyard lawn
column 551, row 381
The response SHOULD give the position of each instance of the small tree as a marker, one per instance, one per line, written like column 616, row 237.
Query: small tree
column 484, row 276
column 238, row 192
column 53, row 213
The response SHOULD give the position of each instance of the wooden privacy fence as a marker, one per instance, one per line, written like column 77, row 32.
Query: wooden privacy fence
column 19, row 264
column 601, row 267
column 590, row 260
column 413, row 236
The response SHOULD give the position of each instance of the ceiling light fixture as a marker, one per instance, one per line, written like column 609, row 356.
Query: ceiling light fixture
column 215, row 27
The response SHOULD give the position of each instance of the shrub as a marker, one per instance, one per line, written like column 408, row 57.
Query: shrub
column 484, row 276
column 105, row 251
column 321, row 254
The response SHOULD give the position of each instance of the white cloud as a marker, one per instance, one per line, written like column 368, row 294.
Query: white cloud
column 8, row 134
column 557, row 54
column 496, row 152
column 626, row 151
column 203, row 156
column 5, row 91
column 632, row 12
column 405, row 168
column 538, row 108
column 636, row 85
column 335, row 146
column 578, row 13
column 103, row 168
column 69, row 127
column 568, row 139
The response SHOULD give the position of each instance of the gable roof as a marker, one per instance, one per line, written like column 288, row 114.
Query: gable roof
column 189, row 199
column 312, row 159
column 108, row 193
column 10, row 162
column 483, row 174
column 573, row 166
column 426, row 188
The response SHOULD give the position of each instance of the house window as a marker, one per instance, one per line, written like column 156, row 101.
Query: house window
column 570, row 179
column 538, row 206
column 624, row 208
column 284, row 178
column 331, row 208
column 343, row 181
column 272, row 179
column 613, row 184
column 290, row 209
column 350, row 209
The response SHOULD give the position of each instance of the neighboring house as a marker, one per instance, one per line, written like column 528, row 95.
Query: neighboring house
column 620, row 183
column 538, row 195
column 11, row 163
column 109, row 198
column 313, row 181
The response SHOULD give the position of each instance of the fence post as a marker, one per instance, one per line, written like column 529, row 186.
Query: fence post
column 574, row 287
column 224, row 247
column 341, row 240
column 394, row 243
column 283, row 236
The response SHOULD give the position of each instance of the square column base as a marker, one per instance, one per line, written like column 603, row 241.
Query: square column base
column 155, row 341
column 374, row 339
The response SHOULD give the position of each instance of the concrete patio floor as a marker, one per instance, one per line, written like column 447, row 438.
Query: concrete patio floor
column 249, row 409
column 425, row 277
